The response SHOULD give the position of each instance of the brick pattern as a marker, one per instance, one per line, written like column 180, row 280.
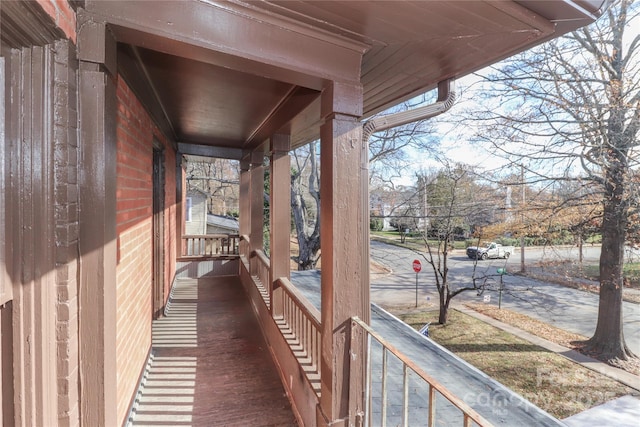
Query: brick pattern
column 134, row 220
column 62, row 14
column 65, row 152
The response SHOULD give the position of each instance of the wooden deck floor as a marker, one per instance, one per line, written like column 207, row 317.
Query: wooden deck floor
column 210, row 364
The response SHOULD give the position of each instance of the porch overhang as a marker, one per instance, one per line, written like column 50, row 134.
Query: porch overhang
column 230, row 74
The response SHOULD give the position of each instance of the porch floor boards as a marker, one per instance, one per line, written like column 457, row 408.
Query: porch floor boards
column 210, row 364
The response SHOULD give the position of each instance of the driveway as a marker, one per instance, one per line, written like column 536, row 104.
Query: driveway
column 567, row 308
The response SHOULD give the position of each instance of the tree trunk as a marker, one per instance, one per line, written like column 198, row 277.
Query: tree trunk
column 307, row 254
column 308, row 244
column 580, row 250
column 608, row 339
column 444, row 308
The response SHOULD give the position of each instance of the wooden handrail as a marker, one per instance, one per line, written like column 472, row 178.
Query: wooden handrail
column 299, row 322
column 259, row 253
column 468, row 412
column 210, row 245
column 212, row 236
column 307, row 308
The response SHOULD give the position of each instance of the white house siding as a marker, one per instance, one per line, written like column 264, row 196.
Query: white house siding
column 198, row 223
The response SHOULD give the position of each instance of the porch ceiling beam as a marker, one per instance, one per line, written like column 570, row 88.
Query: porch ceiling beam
column 279, row 121
column 235, row 36
column 210, row 151
column 136, row 75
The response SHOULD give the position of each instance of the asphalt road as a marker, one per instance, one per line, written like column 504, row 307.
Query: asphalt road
column 566, row 308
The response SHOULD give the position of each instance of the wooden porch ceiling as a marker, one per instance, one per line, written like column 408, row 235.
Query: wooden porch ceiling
column 227, row 75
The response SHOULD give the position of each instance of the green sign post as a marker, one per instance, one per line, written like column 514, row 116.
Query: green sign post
column 501, row 271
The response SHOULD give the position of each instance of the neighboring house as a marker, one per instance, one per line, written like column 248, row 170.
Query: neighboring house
column 218, row 224
column 100, row 100
column 195, row 218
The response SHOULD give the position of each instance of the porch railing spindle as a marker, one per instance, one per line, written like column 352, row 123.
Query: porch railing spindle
column 471, row 417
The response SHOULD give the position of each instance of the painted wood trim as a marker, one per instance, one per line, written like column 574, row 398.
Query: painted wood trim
column 97, row 275
column 252, row 39
column 344, row 286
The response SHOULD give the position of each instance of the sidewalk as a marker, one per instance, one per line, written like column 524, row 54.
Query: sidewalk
column 621, row 412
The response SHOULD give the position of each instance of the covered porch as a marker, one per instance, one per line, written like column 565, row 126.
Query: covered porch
column 210, row 363
column 102, row 286
column 252, row 81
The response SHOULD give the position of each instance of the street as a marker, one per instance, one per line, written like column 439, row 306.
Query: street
column 563, row 307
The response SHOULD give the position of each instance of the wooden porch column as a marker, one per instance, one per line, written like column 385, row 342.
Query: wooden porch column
column 256, row 197
column 280, row 217
column 97, row 242
column 344, row 239
column 180, row 193
column 244, row 204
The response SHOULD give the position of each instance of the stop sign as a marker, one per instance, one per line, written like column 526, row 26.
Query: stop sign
column 417, row 266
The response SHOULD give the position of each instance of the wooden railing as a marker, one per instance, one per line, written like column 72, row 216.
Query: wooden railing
column 244, row 247
column 210, row 245
column 259, row 268
column 408, row 371
column 299, row 321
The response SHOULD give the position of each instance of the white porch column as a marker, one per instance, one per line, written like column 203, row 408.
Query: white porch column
column 344, row 242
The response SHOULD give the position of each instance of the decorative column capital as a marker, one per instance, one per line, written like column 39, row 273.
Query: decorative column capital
column 341, row 99
column 280, row 143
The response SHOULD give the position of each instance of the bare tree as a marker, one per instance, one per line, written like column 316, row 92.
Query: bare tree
column 219, row 179
column 387, row 151
column 398, row 205
column 305, row 205
column 453, row 197
column 570, row 110
column 390, row 149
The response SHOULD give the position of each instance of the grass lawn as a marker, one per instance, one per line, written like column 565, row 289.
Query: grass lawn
column 631, row 272
column 566, row 271
column 416, row 243
column 550, row 381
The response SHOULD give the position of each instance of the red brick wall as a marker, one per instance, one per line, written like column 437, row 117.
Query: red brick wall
column 63, row 15
column 134, row 202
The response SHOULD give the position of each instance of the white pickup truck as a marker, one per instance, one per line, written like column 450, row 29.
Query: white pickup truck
column 489, row 250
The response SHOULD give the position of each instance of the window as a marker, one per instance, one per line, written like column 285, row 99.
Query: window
column 187, row 210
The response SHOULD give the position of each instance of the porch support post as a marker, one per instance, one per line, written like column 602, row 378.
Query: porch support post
column 344, row 240
column 97, row 241
column 280, row 216
column 245, row 212
column 256, row 197
column 180, row 193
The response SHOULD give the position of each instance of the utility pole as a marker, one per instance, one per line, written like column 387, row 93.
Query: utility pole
column 522, row 267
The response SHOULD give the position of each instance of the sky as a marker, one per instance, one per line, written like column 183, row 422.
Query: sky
column 455, row 139
column 454, row 144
